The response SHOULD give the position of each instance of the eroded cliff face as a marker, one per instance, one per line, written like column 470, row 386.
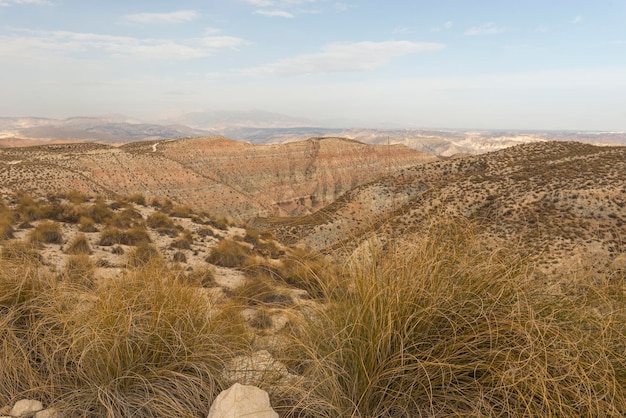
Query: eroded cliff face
column 225, row 177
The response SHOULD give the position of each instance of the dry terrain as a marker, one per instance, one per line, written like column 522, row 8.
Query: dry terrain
column 557, row 200
column 222, row 176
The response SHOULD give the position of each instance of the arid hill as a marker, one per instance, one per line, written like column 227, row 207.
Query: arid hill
column 222, row 176
column 557, row 200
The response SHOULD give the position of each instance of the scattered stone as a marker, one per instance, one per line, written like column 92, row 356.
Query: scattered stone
column 49, row 413
column 240, row 401
column 26, row 408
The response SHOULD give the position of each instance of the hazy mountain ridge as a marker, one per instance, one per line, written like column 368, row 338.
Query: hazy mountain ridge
column 260, row 127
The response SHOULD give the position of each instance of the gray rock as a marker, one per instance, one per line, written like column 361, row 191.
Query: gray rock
column 240, row 401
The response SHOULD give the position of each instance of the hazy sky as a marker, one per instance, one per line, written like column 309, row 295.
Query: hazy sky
column 528, row 64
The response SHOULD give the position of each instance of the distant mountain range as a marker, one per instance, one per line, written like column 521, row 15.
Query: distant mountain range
column 260, row 127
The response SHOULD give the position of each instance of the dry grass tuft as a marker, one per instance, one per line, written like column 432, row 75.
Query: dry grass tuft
column 47, row 232
column 143, row 345
column 228, row 253
column 445, row 328
column 79, row 245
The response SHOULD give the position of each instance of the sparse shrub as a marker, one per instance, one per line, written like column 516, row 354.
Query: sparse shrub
column 79, row 245
column 47, row 232
column 222, row 223
column 6, row 229
column 262, row 320
column 181, row 212
column 184, row 242
column 252, row 236
column 86, row 224
column 228, row 253
column 79, row 270
column 76, row 197
column 179, row 257
column 127, row 218
column 115, row 236
column 99, row 212
column 27, row 208
column 138, row 346
column 262, row 290
column 308, row 271
column 143, row 255
column 207, row 232
column 136, row 235
column 117, row 250
column 204, row 277
column 138, row 199
column 160, row 221
column 21, row 252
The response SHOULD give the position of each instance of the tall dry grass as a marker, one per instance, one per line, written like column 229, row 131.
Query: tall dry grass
column 146, row 344
column 442, row 327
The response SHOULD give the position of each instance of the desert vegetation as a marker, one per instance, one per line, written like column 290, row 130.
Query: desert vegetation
column 429, row 297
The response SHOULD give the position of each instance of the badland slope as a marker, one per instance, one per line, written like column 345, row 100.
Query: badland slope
column 224, row 177
column 556, row 200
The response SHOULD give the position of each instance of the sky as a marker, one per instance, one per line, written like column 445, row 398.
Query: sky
column 479, row 64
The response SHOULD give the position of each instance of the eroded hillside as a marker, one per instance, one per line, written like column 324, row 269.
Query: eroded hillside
column 226, row 177
column 556, row 200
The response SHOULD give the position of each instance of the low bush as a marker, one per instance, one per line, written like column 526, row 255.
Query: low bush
column 115, row 236
column 86, row 224
column 79, row 270
column 144, row 255
column 159, row 220
column 47, row 232
column 79, row 245
column 228, row 253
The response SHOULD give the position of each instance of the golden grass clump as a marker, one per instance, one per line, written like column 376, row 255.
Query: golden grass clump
column 79, row 270
column 111, row 235
column 142, row 345
column 79, row 245
column 144, row 255
column 47, row 232
column 159, row 220
column 6, row 228
column 228, row 253
column 444, row 328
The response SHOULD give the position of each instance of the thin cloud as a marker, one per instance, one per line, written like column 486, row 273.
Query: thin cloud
column 446, row 26
column 274, row 13
column 7, row 3
column 260, row 3
column 180, row 16
column 32, row 43
column 577, row 20
column 343, row 57
column 486, row 29
column 401, row 29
